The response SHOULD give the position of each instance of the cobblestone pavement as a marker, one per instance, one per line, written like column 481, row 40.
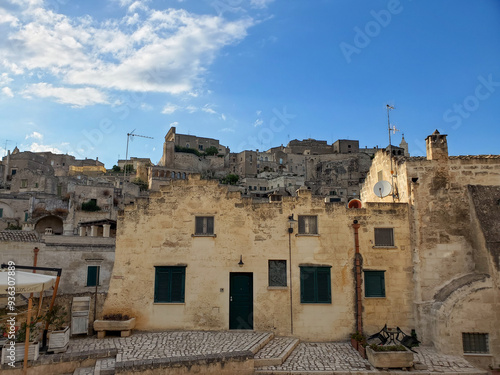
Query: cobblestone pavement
column 310, row 357
column 275, row 347
column 152, row 345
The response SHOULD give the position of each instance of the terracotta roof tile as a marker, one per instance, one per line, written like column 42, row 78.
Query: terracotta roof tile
column 19, row 236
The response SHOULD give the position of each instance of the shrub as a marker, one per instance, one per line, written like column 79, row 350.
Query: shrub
column 143, row 185
column 116, row 317
column 187, row 150
column 387, row 348
column 212, row 150
column 90, row 206
column 230, row 179
column 116, row 168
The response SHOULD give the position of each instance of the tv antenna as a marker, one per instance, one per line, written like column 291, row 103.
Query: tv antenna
column 392, row 129
column 5, row 148
column 131, row 134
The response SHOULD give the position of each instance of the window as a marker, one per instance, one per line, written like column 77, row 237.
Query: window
column 13, row 172
column 1, row 212
column 315, row 285
column 308, row 224
column 384, row 237
column 24, row 183
column 93, row 275
column 475, row 342
column 204, row 225
column 380, row 176
column 25, row 216
column 200, row 147
column 374, row 284
column 277, row 273
column 169, row 284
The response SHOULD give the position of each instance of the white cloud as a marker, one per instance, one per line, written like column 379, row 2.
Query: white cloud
column 227, row 130
column 7, row 92
column 5, row 79
column 36, row 147
column 258, row 122
column 169, row 109
column 260, row 4
column 77, row 97
column 223, row 116
column 207, row 109
column 147, row 50
column 175, row 123
column 258, row 112
column 191, row 108
column 146, row 107
column 34, row 135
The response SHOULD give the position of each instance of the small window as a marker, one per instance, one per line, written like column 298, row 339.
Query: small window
column 308, row 224
column 24, row 183
column 25, row 216
column 169, row 284
column 475, row 342
column 315, row 285
column 13, row 172
column 1, row 212
column 204, row 225
column 384, row 237
column 277, row 273
column 200, row 147
column 93, row 275
column 380, row 176
column 374, row 284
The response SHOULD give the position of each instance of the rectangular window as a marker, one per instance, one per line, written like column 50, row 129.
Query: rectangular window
column 169, row 284
column 384, row 237
column 204, row 225
column 315, row 285
column 374, row 283
column 25, row 216
column 1, row 212
column 24, row 183
column 93, row 275
column 475, row 342
column 277, row 273
column 308, row 224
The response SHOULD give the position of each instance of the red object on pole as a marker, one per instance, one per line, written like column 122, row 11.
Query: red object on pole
column 358, row 260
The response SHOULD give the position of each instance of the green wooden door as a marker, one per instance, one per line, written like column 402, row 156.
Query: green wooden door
column 241, row 301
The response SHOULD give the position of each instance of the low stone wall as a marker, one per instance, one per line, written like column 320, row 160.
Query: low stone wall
column 241, row 363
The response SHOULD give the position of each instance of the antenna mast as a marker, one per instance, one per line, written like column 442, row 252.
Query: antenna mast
column 131, row 134
column 394, row 130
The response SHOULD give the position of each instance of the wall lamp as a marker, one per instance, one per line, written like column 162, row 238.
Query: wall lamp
column 291, row 222
column 240, row 263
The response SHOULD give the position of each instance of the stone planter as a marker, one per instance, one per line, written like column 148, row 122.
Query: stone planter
column 354, row 343
column 389, row 359
column 33, row 352
column 124, row 326
column 59, row 341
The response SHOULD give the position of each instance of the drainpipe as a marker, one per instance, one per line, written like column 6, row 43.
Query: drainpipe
column 358, row 261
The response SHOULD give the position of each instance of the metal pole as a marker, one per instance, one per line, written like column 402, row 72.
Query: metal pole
column 126, row 158
column 290, row 266
column 95, row 294
column 390, row 147
column 27, row 339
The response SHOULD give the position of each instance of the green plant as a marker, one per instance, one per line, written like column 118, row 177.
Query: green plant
column 230, row 179
column 387, row 348
column 116, row 317
column 143, row 185
column 90, row 206
column 13, row 227
column 34, row 330
column 187, row 150
column 212, row 150
column 116, row 168
column 56, row 318
column 359, row 337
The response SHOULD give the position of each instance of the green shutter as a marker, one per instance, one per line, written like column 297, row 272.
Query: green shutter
column 177, row 285
column 323, row 285
column 92, row 275
column 169, row 284
column 374, row 283
column 307, row 282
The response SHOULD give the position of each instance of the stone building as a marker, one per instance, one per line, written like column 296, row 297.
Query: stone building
column 454, row 214
column 209, row 259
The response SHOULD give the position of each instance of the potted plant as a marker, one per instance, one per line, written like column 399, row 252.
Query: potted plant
column 358, row 341
column 13, row 350
column 494, row 370
column 58, row 338
column 389, row 356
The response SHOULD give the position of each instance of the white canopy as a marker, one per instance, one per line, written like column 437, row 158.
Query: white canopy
column 25, row 282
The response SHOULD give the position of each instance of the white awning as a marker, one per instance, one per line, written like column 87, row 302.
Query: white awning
column 25, row 282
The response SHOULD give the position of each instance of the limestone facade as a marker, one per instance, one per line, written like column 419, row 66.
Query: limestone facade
column 257, row 233
column 455, row 261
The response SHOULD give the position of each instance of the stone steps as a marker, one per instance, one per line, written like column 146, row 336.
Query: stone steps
column 103, row 366
column 276, row 351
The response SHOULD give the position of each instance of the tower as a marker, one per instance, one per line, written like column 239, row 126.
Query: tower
column 437, row 146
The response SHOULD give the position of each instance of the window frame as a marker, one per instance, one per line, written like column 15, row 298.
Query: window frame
column 269, row 274
column 381, row 279
column 473, row 341
column 90, row 282
column 205, row 226
column 169, row 272
column 301, row 230
column 316, row 270
column 383, row 244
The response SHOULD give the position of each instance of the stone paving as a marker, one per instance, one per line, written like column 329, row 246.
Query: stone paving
column 307, row 358
column 275, row 347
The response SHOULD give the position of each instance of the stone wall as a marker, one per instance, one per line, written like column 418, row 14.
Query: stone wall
column 257, row 232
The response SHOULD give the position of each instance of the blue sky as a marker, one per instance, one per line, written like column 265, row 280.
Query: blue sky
column 77, row 76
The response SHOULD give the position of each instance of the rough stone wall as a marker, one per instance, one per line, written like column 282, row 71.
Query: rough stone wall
column 258, row 232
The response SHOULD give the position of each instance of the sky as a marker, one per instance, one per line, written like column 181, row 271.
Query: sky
column 77, row 76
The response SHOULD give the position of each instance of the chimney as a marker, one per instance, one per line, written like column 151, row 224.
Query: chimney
column 437, row 146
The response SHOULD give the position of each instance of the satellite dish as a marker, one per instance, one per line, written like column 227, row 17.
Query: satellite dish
column 382, row 189
column 354, row 203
